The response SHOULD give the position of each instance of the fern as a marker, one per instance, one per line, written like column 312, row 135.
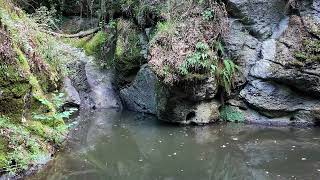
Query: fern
column 227, row 75
column 223, row 70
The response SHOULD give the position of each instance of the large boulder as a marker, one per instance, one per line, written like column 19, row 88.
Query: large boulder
column 244, row 49
column 102, row 85
column 72, row 95
column 145, row 94
column 294, row 58
column 261, row 16
column 185, row 112
column 276, row 100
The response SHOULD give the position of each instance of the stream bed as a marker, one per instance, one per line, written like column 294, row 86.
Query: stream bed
column 113, row 145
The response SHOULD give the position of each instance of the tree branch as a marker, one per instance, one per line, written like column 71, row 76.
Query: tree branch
column 80, row 34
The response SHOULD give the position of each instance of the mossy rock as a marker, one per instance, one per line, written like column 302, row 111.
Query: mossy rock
column 310, row 53
column 38, row 129
column 231, row 114
column 3, row 153
column 12, row 98
column 94, row 46
column 128, row 55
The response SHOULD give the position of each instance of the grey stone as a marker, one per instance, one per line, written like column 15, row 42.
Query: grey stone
column 72, row 95
column 261, row 16
column 279, row 64
column 199, row 91
column 186, row 112
column 142, row 95
column 275, row 100
column 101, row 82
column 243, row 48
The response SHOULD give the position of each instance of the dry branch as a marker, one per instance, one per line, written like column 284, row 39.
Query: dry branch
column 80, row 34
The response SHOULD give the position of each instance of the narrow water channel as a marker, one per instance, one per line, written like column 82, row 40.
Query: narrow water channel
column 110, row 145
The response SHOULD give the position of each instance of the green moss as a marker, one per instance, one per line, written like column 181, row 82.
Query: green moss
column 310, row 52
column 128, row 53
column 38, row 128
column 31, row 62
column 232, row 114
column 95, row 44
column 3, row 153
column 77, row 42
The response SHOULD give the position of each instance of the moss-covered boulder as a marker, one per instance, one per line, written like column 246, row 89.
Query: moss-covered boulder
column 128, row 54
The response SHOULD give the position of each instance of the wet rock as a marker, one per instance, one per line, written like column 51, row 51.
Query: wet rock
column 142, row 95
column 101, row 82
column 72, row 95
column 279, row 62
column 260, row 15
column 186, row 112
column 276, row 100
column 268, row 53
column 244, row 49
column 196, row 90
column 75, row 24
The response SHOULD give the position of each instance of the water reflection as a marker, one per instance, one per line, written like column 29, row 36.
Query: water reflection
column 129, row 146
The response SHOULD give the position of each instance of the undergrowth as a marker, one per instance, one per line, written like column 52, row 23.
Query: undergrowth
column 31, row 69
column 205, row 61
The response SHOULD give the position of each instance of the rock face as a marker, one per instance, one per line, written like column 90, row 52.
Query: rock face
column 184, row 112
column 102, row 89
column 95, row 86
column 279, row 61
column 194, row 105
column 283, row 79
column 275, row 44
column 72, row 95
column 261, row 16
column 276, row 99
column 142, row 95
column 244, row 48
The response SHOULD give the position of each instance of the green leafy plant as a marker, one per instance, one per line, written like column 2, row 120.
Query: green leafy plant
column 199, row 60
column 22, row 149
column 207, row 15
column 225, row 74
column 52, row 118
column 225, row 70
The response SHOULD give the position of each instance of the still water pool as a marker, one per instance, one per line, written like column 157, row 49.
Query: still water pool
column 110, row 145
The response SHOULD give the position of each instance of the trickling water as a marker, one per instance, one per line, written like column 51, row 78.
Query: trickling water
column 128, row 146
column 280, row 28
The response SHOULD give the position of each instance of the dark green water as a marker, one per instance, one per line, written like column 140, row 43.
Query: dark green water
column 127, row 146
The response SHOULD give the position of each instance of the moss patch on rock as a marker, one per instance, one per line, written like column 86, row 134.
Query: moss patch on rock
column 310, row 52
column 231, row 114
column 31, row 70
column 128, row 54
